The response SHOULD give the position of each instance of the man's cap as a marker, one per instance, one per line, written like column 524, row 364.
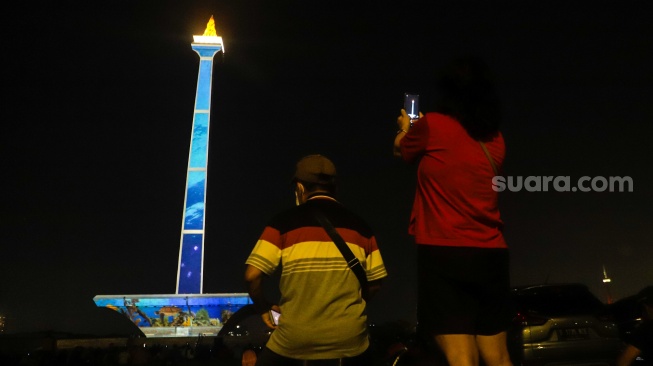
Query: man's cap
column 315, row 169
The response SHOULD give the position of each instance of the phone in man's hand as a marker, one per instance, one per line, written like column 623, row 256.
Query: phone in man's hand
column 274, row 316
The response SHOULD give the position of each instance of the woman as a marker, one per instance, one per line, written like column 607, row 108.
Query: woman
column 463, row 264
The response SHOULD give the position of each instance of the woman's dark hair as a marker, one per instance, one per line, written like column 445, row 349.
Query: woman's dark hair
column 466, row 93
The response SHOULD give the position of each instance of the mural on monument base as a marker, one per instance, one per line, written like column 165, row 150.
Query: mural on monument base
column 146, row 311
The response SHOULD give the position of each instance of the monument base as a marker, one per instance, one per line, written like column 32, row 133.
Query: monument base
column 181, row 315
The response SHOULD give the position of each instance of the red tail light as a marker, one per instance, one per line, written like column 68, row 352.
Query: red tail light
column 529, row 319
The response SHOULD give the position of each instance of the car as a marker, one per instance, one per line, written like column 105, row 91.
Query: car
column 628, row 312
column 561, row 324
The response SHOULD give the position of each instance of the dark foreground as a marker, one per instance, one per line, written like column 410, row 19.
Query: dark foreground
column 61, row 349
column 46, row 350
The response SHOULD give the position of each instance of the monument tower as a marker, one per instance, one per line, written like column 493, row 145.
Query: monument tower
column 188, row 312
column 191, row 249
column 606, row 284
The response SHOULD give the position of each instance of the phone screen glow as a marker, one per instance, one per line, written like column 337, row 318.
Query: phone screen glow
column 275, row 317
column 411, row 105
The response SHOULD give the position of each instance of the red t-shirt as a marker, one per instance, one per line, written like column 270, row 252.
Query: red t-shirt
column 455, row 204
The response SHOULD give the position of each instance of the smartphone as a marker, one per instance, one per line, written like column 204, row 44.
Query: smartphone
column 411, row 105
column 274, row 315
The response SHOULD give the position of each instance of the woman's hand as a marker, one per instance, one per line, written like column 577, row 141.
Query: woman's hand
column 403, row 121
column 403, row 124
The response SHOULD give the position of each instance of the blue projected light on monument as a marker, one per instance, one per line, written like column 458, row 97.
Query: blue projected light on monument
column 194, row 213
column 203, row 100
column 191, row 265
column 189, row 312
column 191, row 252
column 199, row 145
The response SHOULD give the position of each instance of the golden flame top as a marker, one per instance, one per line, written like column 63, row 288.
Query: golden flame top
column 210, row 28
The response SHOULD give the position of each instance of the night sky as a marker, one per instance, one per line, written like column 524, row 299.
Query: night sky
column 96, row 118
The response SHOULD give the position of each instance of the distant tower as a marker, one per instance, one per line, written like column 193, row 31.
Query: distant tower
column 191, row 250
column 606, row 285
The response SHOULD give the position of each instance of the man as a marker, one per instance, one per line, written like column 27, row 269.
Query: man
column 323, row 315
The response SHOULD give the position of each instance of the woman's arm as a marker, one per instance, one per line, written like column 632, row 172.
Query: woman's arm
column 254, row 281
column 403, row 124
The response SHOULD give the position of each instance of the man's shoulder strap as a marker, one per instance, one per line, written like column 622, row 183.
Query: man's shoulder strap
column 353, row 262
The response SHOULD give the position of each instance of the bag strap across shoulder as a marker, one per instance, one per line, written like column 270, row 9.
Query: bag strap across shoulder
column 353, row 262
column 489, row 157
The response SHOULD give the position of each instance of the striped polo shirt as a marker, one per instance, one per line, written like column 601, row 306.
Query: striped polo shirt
column 322, row 312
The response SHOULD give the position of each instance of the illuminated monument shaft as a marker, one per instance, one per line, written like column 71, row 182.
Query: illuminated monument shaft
column 191, row 251
column 189, row 312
